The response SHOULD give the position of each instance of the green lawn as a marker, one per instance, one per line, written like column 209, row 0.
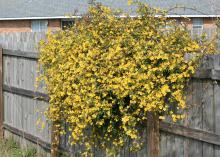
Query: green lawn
column 9, row 148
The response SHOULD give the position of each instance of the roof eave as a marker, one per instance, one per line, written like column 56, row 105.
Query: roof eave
column 72, row 17
column 193, row 16
column 39, row 18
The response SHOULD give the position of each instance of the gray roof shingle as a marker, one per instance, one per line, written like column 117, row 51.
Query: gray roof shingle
column 54, row 8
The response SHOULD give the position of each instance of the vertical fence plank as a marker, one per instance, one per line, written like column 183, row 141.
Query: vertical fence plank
column 170, row 145
column 195, row 118
column 163, row 144
column 186, row 120
column 153, row 142
column 217, row 114
column 179, row 146
column 208, row 115
column 1, row 95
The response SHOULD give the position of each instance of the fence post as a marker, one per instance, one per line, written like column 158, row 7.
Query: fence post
column 1, row 94
column 55, row 139
column 153, row 135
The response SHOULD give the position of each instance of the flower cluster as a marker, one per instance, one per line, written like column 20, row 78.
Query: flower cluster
column 106, row 73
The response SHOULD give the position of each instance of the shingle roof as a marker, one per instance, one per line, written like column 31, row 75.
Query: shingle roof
column 55, row 8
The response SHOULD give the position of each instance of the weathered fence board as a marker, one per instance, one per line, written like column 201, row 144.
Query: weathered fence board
column 1, row 95
column 217, row 113
column 23, row 41
column 208, row 116
column 24, row 113
column 195, row 121
column 26, row 93
column 22, row 54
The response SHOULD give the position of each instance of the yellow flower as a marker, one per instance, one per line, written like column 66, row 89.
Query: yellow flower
column 165, row 89
column 106, row 73
column 130, row 2
column 125, row 119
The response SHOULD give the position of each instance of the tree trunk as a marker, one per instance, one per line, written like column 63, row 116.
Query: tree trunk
column 153, row 135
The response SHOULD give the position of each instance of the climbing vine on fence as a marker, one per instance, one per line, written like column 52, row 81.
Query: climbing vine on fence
column 107, row 72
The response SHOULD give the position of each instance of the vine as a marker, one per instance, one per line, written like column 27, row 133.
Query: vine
column 106, row 73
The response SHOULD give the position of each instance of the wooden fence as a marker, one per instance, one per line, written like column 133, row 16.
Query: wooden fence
column 196, row 136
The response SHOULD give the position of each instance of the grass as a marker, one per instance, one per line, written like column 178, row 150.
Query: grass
column 9, row 148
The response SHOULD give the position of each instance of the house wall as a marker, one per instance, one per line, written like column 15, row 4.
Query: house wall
column 25, row 25
column 53, row 25
column 208, row 23
column 15, row 26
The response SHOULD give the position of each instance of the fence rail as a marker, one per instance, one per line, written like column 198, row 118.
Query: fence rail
column 28, row 136
column 26, row 93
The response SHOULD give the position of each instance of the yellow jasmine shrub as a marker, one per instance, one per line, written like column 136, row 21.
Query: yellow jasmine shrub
column 106, row 73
